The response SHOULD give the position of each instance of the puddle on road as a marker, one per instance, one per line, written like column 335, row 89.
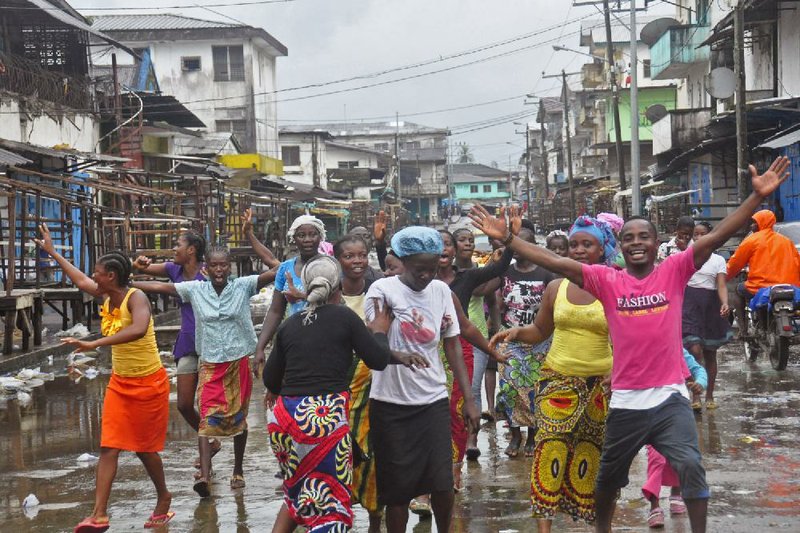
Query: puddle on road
column 754, row 485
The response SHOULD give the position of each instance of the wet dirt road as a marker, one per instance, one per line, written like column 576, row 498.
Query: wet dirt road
column 750, row 446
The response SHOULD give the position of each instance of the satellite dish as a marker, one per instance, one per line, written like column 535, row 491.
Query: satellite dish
column 654, row 29
column 721, row 83
column 655, row 113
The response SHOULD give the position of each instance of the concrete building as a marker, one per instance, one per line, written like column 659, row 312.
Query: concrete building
column 225, row 73
column 475, row 183
column 359, row 159
column 47, row 96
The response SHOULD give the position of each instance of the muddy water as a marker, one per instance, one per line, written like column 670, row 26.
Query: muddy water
column 750, row 447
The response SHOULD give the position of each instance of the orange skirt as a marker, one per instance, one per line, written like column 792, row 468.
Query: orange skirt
column 136, row 412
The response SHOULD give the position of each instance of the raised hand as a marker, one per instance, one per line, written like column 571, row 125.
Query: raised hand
column 766, row 183
column 515, row 219
column 247, row 221
column 379, row 226
column 493, row 227
column 142, row 262
column 46, row 242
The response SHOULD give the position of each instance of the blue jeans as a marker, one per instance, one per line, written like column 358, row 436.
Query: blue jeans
column 670, row 428
column 479, row 361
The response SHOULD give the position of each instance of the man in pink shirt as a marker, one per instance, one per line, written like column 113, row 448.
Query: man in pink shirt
column 643, row 303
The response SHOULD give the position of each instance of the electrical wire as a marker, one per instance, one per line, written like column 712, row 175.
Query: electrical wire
column 152, row 8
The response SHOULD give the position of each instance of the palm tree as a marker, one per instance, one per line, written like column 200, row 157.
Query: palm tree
column 464, row 154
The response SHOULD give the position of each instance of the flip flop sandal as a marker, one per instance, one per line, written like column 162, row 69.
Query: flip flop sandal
column 655, row 519
column 199, row 475
column 237, row 481
column 697, row 407
column 486, row 415
column 420, row 508
column 201, row 487
column 158, row 520
column 91, row 525
column 473, row 454
column 711, row 405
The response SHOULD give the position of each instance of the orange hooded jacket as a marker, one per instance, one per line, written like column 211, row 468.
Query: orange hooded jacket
column 772, row 257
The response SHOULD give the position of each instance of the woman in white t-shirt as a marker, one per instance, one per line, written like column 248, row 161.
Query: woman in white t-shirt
column 705, row 312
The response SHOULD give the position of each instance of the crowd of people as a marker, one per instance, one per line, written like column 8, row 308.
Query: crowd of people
column 603, row 342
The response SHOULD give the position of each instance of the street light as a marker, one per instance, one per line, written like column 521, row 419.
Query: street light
column 559, row 48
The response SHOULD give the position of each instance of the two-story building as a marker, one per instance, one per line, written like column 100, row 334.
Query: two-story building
column 479, row 184
column 224, row 73
column 359, row 159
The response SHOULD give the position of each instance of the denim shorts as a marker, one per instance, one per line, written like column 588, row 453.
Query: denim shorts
column 670, row 428
column 187, row 364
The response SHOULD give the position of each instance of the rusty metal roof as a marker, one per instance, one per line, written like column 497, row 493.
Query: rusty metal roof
column 154, row 22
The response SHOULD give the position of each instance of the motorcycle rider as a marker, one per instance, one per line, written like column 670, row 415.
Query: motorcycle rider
column 772, row 257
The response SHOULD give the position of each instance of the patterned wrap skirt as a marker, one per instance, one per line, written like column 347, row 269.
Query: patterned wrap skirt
column 365, row 490
column 518, row 376
column 570, row 419
column 223, row 397
column 136, row 412
column 310, row 437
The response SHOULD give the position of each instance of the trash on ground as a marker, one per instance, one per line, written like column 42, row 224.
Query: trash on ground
column 91, row 372
column 749, row 439
column 77, row 331
column 24, row 398
column 86, row 457
column 30, row 501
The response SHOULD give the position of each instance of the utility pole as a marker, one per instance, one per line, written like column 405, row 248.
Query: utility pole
column 623, row 184
column 397, row 158
column 741, row 100
column 545, row 170
column 636, row 196
column 569, row 146
column 314, row 161
column 528, row 170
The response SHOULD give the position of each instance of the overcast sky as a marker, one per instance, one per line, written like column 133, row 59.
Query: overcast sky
column 334, row 39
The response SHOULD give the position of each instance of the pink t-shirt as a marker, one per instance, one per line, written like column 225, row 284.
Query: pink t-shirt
column 644, row 321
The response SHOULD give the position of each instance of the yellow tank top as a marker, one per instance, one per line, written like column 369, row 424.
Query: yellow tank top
column 132, row 359
column 356, row 304
column 580, row 338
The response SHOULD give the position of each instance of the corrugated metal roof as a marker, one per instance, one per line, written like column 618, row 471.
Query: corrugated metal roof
column 155, row 22
column 8, row 159
column 365, row 128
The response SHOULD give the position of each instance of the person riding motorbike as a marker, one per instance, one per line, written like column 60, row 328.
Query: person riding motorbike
column 772, row 258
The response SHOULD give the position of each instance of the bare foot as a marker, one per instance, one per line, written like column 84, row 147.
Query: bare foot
column 163, row 504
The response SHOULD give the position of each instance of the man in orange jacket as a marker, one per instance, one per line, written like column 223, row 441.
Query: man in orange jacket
column 772, row 257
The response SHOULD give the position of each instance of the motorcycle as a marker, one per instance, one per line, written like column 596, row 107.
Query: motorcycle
column 773, row 320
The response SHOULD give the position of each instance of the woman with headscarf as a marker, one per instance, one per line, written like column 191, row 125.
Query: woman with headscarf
column 571, row 403
column 409, row 411
column 308, row 370
column 306, row 232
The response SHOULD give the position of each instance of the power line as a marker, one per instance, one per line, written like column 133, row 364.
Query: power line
column 151, row 8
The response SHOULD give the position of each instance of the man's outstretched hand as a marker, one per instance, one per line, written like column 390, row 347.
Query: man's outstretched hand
column 766, row 183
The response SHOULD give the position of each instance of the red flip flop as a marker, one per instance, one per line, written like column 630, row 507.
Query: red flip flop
column 158, row 520
column 90, row 525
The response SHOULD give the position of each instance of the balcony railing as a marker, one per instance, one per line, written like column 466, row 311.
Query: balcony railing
column 29, row 79
column 676, row 51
